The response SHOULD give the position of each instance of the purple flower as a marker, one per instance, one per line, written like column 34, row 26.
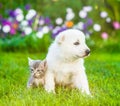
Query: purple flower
column 50, row 26
column 40, row 29
column 57, row 30
column 6, row 22
column 27, row 7
column 84, row 26
column 54, row 34
column 41, row 18
column 23, row 33
column 30, row 22
column 12, row 31
column 12, row 13
column 89, row 22
column 47, row 20
column 41, row 21
column 62, row 29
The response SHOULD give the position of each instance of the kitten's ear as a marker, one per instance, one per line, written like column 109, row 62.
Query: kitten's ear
column 30, row 61
column 44, row 64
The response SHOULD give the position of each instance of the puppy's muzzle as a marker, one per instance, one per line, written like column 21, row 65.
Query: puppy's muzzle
column 87, row 52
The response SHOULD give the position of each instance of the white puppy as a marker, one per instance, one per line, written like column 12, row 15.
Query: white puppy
column 65, row 61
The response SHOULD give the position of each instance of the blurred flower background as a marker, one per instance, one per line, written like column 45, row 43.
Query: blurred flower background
column 33, row 25
column 28, row 27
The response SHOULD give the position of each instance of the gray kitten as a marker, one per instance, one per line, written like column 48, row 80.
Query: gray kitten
column 37, row 73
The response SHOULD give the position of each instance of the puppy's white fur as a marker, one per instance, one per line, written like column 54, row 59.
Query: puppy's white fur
column 65, row 61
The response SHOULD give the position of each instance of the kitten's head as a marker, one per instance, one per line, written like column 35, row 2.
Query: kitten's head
column 37, row 68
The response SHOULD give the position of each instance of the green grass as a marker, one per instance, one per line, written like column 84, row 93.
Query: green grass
column 103, row 71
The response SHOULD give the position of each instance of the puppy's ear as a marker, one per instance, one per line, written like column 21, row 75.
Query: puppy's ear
column 60, row 39
column 30, row 61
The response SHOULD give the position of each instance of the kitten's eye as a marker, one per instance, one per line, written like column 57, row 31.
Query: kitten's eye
column 38, row 70
column 31, row 70
column 42, row 70
column 76, row 43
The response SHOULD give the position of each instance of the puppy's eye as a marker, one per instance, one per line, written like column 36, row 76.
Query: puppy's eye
column 76, row 43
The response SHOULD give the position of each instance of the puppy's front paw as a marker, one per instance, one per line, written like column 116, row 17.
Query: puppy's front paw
column 49, row 90
column 86, row 92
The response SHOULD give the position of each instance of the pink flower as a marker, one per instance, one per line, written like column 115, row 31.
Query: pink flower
column 12, row 31
column 116, row 25
column 104, row 35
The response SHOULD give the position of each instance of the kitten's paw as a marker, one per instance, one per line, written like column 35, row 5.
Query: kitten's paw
column 29, row 86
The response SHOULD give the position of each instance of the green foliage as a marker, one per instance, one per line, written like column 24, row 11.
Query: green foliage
column 28, row 43
column 32, row 43
column 110, row 45
column 103, row 71
column 113, row 8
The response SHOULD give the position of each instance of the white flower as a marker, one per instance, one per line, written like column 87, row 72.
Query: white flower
column 27, row 30
column 6, row 28
column 108, row 20
column 32, row 11
column 45, row 29
column 70, row 16
column 19, row 17
column 24, row 23
column 41, row 22
column 97, row 27
column 31, row 14
column 103, row 14
column 39, row 34
column 18, row 11
column 80, row 25
column 69, row 10
column 59, row 21
column 28, row 17
column 87, row 8
column 83, row 14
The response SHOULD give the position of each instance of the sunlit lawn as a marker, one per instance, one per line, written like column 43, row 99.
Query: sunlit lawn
column 103, row 71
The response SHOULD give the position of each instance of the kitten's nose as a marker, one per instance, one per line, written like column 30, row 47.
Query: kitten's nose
column 87, row 51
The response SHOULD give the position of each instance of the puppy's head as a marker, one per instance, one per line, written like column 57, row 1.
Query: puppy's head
column 72, row 44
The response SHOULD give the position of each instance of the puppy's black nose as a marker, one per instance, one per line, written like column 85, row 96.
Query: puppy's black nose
column 87, row 51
